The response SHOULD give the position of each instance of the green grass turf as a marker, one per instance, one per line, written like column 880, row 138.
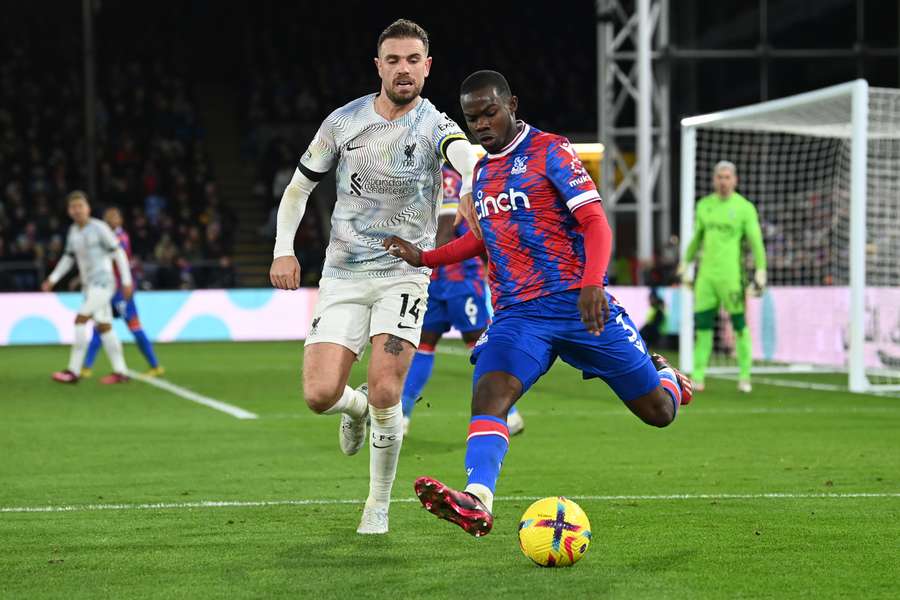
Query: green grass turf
column 91, row 444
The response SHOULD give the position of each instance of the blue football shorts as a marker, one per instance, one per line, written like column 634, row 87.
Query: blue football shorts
column 525, row 339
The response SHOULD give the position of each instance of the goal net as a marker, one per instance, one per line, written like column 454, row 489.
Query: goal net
column 823, row 170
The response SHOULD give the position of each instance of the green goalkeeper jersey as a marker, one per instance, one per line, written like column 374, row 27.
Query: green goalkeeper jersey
column 720, row 227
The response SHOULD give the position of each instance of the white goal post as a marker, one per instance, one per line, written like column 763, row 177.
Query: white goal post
column 823, row 169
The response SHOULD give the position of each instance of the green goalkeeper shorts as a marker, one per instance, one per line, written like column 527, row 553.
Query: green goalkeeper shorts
column 710, row 294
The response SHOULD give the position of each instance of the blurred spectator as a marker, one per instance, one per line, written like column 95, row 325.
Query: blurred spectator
column 151, row 159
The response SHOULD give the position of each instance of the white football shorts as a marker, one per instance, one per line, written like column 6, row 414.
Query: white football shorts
column 351, row 311
column 96, row 304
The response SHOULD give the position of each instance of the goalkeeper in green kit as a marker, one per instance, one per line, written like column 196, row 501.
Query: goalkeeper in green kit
column 724, row 219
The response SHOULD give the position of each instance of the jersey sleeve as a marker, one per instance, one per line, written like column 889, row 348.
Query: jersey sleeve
column 69, row 249
column 107, row 238
column 125, row 243
column 697, row 238
column 451, row 184
column 445, row 131
column 321, row 154
column 754, row 237
column 568, row 175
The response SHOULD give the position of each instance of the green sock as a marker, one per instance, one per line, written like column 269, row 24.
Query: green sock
column 744, row 353
column 702, row 350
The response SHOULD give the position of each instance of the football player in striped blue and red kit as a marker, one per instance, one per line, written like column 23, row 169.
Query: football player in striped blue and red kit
column 457, row 297
column 548, row 245
column 123, row 308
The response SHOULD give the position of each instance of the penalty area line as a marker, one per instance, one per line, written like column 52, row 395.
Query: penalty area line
column 235, row 411
column 360, row 501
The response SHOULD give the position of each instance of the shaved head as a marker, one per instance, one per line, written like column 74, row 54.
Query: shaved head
column 480, row 80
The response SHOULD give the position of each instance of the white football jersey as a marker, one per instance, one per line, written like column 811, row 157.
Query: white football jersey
column 388, row 183
column 93, row 247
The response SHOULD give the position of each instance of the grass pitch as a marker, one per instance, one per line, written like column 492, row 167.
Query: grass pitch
column 107, row 490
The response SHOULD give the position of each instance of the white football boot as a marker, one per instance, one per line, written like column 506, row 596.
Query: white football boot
column 374, row 520
column 744, row 386
column 516, row 423
column 352, row 434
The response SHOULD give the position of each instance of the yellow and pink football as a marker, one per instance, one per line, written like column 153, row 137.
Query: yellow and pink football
column 554, row 532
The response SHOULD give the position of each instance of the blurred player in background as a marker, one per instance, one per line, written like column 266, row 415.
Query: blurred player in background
column 548, row 245
column 388, row 148
column 93, row 246
column 724, row 220
column 457, row 297
column 123, row 308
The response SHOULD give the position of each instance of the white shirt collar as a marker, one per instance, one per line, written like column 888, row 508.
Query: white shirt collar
column 525, row 128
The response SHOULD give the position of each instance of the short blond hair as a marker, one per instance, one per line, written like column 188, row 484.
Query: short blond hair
column 77, row 195
column 725, row 164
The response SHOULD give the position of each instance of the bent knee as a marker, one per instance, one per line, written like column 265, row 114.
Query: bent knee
column 385, row 394
column 660, row 413
column 495, row 393
column 320, row 398
column 660, row 419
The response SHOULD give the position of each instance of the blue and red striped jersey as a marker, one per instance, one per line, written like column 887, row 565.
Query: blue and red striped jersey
column 525, row 197
column 125, row 242
column 472, row 268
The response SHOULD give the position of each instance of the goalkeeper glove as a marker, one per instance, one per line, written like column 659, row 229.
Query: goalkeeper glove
column 684, row 274
column 759, row 282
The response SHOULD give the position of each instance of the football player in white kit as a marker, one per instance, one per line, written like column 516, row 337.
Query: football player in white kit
column 388, row 148
column 93, row 246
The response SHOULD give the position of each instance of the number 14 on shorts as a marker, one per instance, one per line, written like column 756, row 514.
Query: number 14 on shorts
column 413, row 310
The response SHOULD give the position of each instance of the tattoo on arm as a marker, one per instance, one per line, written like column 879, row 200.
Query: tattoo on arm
column 393, row 345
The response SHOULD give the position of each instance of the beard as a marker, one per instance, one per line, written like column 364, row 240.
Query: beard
column 403, row 100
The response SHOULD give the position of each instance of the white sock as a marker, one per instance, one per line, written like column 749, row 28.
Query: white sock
column 483, row 493
column 351, row 402
column 113, row 347
column 79, row 347
column 384, row 452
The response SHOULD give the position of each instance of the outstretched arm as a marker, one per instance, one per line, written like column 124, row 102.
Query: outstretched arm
column 754, row 236
column 460, row 249
column 64, row 265
column 694, row 245
column 684, row 267
column 592, row 303
column 285, row 271
column 753, row 233
column 462, row 158
column 121, row 260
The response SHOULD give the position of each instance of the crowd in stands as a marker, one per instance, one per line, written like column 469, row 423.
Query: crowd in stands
column 151, row 163
column 294, row 75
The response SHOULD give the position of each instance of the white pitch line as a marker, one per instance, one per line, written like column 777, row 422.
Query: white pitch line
column 234, row 411
column 338, row 501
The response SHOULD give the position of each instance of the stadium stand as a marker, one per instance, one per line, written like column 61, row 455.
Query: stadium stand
column 152, row 162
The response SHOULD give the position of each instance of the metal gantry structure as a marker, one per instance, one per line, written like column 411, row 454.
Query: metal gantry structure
column 634, row 116
column 635, row 60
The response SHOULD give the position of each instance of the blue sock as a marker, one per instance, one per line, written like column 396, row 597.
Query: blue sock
column 669, row 381
column 485, row 448
column 512, row 410
column 418, row 376
column 146, row 348
column 93, row 349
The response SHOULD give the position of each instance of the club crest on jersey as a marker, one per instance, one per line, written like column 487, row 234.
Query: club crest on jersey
column 519, row 165
column 408, row 152
column 505, row 202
